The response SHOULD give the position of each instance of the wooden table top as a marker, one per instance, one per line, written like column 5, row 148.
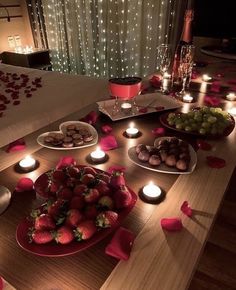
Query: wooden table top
column 159, row 259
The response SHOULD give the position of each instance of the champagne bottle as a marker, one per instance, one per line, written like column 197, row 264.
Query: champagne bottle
column 185, row 39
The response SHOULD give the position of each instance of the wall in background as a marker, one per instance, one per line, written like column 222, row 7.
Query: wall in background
column 19, row 26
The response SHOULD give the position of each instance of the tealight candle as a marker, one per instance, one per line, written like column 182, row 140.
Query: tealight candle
column 27, row 164
column 206, row 78
column 187, row 98
column 232, row 111
column 166, row 82
column 151, row 193
column 231, row 97
column 126, row 107
column 98, row 155
column 132, row 132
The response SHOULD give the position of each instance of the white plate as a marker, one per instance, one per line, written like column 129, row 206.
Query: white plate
column 149, row 101
column 5, row 198
column 62, row 127
column 162, row 167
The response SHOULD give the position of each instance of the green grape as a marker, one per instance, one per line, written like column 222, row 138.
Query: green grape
column 202, row 131
column 206, row 125
column 212, row 119
column 188, row 129
column 179, row 126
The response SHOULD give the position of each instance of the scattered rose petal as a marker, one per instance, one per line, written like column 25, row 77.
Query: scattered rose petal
column 121, row 244
column 90, row 118
column 232, row 82
column 17, row 145
column 212, row 101
column 195, row 74
column 155, row 81
column 159, row 131
column 24, row 184
column 116, row 168
column 215, row 162
column 28, row 95
column 215, row 87
column 106, row 129
column 186, row 209
column 3, row 107
column 143, row 110
column 108, row 143
column 171, row 224
column 15, row 103
column 65, row 161
column 159, row 108
column 203, row 145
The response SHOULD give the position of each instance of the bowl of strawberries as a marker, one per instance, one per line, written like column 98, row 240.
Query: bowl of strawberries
column 82, row 205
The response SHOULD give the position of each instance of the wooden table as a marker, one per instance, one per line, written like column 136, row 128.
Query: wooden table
column 159, row 259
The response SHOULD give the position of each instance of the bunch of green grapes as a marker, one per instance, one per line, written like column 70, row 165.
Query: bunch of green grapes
column 204, row 121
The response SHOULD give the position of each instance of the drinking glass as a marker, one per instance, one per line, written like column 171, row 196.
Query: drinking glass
column 186, row 65
column 164, row 58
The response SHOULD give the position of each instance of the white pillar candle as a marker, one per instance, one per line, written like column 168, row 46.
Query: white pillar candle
column 132, row 131
column 98, row 155
column 27, row 164
column 206, row 78
column 232, row 111
column 231, row 97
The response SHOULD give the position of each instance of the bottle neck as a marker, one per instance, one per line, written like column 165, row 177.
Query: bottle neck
column 186, row 36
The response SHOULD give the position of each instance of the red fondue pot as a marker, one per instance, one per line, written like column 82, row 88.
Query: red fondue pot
column 125, row 88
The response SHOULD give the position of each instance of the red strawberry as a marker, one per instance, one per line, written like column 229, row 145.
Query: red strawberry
column 74, row 217
column 80, row 188
column 65, row 193
column 102, row 187
column 55, row 186
column 85, row 230
column 73, row 171
column 64, row 235
column 44, row 222
column 56, row 208
column 59, row 175
column 106, row 202
column 91, row 211
column 89, row 170
column 87, row 178
column 91, row 195
column 103, row 177
column 77, row 201
column 70, row 182
column 122, row 197
column 117, row 179
column 41, row 237
column 106, row 219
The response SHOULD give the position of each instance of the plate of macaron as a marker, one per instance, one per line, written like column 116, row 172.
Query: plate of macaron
column 71, row 135
column 166, row 155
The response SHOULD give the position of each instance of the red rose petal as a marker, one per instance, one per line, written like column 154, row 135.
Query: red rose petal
column 159, row 108
column 212, row 101
column 108, row 143
column 15, row 103
column 65, row 161
column 215, row 87
column 155, row 81
column 121, row 244
column 203, row 145
column 171, row 224
column 106, row 129
column 91, row 118
column 215, row 162
column 143, row 110
column 186, row 209
column 28, row 95
column 116, row 168
column 3, row 107
column 17, row 145
column 159, row 131
column 24, row 184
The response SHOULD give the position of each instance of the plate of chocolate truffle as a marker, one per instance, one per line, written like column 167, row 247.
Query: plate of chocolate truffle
column 166, row 155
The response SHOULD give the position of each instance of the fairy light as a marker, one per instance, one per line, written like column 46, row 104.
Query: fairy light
column 104, row 38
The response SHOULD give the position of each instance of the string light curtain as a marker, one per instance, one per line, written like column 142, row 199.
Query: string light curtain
column 107, row 38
